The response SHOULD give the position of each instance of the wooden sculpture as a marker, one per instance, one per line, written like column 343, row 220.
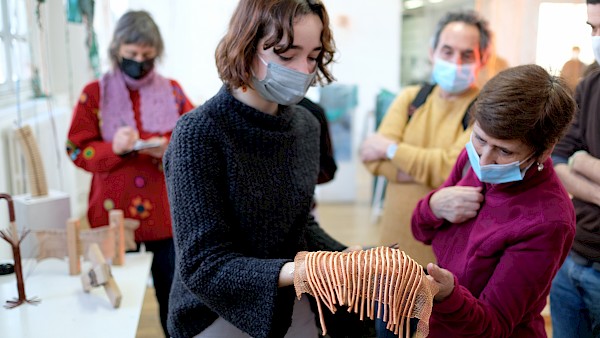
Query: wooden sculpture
column 35, row 166
column 113, row 239
column 100, row 275
column 117, row 220
column 12, row 237
column 104, row 237
column 381, row 280
column 73, row 226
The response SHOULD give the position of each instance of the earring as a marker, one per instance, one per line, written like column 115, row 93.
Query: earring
column 540, row 166
column 244, row 89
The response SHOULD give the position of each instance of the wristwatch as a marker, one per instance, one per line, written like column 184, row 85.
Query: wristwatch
column 572, row 158
column 391, row 151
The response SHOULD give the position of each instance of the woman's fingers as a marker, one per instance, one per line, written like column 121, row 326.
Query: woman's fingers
column 443, row 278
column 456, row 204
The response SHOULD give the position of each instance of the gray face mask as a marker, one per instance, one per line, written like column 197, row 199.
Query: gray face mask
column 283, row 85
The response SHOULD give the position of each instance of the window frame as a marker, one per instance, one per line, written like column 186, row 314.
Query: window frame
column 12, row 92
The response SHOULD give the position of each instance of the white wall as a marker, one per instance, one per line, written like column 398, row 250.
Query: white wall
column 515, row 25
column 191, row 31
column 515, row 39
column 369, row 50
column 368, row 54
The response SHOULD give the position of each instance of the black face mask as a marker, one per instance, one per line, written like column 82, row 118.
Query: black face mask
column 136, row 70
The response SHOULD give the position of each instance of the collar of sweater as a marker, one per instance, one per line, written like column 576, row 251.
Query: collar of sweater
column 243, row 113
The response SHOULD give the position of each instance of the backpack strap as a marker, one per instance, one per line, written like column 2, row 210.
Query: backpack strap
column 421, row 97
column 467, row 117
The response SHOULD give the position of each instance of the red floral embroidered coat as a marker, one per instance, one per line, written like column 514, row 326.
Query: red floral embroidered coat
column 134, row 182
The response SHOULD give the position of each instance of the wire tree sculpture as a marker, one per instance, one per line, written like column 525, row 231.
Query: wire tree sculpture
column 12, row 237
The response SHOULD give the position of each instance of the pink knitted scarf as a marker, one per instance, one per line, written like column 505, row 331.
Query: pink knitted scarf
column 158, row 107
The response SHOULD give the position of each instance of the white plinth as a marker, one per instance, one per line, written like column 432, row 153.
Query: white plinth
column 38, row 213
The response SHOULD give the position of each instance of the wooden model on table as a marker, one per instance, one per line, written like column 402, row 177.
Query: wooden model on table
column 100, row 275
column 12, row 237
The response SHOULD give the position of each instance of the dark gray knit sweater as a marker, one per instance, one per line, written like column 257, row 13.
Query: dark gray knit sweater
column 240, row 184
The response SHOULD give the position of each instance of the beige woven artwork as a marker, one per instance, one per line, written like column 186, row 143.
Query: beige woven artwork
column 104, row 236
column 35, row 166
column 52, row 243
column 362, row 279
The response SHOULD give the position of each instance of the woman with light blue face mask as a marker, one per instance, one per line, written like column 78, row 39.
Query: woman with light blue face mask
column 497, row 173
column 241, row 171
column 502, row 223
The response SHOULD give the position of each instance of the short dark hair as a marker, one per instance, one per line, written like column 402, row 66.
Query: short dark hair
column 525, row 103
column 593, row 2
column 470, row 18
column 252, row 20
column 135, row 27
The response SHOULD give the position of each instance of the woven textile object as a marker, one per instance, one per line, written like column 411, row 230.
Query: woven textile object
column 362, row 279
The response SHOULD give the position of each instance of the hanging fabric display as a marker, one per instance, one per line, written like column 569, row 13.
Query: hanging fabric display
column 73, row 11
column 82, row 11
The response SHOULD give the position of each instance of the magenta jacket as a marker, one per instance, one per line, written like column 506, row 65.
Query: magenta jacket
column 504, row 259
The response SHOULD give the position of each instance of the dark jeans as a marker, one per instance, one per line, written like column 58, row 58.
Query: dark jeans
column 575, row 301
column 163, row 267
column 383, row 332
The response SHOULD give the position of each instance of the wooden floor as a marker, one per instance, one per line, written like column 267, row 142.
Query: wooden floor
column 149, row 326
column 348, row 223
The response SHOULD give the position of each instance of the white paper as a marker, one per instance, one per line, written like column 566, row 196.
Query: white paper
column 141, row 144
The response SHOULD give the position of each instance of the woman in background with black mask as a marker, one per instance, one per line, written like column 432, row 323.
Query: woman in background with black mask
column 120, row 129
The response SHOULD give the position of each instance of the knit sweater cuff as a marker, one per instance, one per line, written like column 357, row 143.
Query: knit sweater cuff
column 404, row 161
column 427, row 215
column 453, row 302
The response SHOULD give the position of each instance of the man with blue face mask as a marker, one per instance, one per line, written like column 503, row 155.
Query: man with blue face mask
column 416, row 157
column 575, row 293
column 459, row 51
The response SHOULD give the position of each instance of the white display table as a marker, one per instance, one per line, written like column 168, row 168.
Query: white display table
column 65, row 310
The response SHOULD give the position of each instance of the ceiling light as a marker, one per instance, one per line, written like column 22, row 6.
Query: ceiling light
column 412, row 4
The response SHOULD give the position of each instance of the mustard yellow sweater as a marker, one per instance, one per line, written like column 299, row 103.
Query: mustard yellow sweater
column 428, row 146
